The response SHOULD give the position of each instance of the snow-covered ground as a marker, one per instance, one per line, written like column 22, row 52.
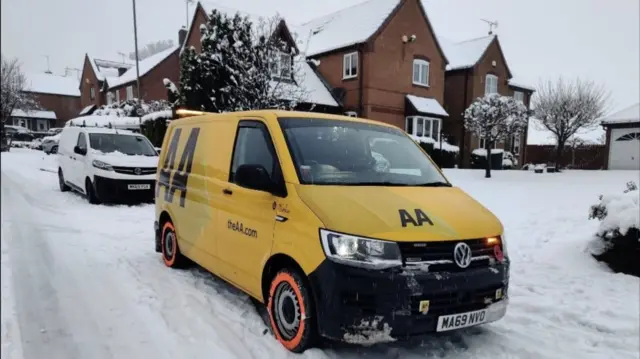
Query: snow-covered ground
column 83, row 281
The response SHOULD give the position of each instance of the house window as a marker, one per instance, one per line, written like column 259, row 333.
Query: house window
column 281, row 66
column 491, row 84
column 483, row 143
column 40, row 126
column 350, row 66
column 129, row 93
column 109, row 98
column 421, row 72
column 518, row 96
column 515, row 145
column 92, row 93
column 423, row 127
column 117, row 95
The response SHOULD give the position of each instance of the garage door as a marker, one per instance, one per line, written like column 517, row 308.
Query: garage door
column 624, row 153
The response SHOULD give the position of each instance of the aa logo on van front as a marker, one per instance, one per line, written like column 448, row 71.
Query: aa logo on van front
column 172, row 178
column 419, row 220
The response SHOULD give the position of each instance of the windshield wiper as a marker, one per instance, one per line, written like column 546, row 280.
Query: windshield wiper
column 390, row 184
column 434, row 184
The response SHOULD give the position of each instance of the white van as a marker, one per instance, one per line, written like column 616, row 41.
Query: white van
column 107, row 165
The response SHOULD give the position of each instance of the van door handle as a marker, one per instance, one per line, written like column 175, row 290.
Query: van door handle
column 227, row 191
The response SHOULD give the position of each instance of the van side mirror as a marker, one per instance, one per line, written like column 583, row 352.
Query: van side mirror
column 253, row 177
column 80, row 151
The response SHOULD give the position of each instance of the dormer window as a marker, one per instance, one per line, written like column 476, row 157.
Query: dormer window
column 491, row 84
column 350, row 66
column 281, row 66
column 421, row 72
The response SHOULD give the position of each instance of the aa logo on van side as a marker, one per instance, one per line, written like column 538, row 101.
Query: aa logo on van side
column 181, row 173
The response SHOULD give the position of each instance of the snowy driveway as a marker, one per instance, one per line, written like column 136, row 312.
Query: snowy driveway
column 83, row 281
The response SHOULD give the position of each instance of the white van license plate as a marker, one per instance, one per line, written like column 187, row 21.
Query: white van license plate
column 138, row 186
column 461, row 320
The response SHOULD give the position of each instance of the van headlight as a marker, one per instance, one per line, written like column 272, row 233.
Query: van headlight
column 360, row 252
column 102, row 165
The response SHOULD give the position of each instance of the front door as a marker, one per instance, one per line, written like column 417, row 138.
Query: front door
column 246, row 216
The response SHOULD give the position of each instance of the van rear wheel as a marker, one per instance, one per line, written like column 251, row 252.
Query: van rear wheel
column 290, row 311
column 171, row 254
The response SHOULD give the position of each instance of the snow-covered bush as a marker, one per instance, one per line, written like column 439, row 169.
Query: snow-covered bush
column 619, row 231
column 154, row 125
column 443, row 154
column 132, row 108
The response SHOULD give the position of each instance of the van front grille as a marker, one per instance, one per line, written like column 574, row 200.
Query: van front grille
column 438, row 256
column 132, row 170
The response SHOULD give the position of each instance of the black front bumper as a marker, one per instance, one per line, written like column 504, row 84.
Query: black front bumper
column 116, row 190
column 362, row 306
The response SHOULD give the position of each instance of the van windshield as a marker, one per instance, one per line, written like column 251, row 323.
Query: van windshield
column 127, row 144
column 332, row 152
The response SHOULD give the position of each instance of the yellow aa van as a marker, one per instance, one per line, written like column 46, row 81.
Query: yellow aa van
column 343, row 227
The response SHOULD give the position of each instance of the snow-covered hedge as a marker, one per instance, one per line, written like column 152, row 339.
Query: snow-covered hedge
column 447, row 158
column 154, row 125
column 618, row 236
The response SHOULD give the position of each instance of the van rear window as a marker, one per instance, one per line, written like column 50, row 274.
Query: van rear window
column 333, row 152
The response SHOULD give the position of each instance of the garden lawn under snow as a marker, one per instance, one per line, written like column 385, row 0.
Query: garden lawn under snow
column 83, row 281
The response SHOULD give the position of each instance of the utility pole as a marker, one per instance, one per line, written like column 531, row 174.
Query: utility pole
column 492, row 25
column 135, row 37
column 187, row 2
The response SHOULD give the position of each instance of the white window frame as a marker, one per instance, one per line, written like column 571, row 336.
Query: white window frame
column 110, row 97
column 422, row 119
column 481, row 143
column 129, row 93
column 515, row 145
column 518, row 96
column 281, row 62
column 118, row 95
column 421, row 68
column 348, row 64
column 92, row 93
column 489, row 82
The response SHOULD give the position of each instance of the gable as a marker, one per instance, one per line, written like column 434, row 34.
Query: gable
column 400, row 10
column 494, row 52
column 465, row 54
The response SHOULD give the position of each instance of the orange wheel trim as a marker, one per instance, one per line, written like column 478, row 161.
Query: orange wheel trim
column 169, row 262
column 286, row 277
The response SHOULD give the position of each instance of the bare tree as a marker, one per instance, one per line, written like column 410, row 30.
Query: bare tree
column 564, row 107
column 151, row 49
column 495, row 118
column 14, row 84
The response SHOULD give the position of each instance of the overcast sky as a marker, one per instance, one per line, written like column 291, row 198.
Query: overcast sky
column 594, row 39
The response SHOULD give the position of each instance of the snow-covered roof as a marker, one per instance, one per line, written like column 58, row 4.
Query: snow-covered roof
column 50, row 115
column 538, row 135
column 318, row 92
column 107, row 69
column 464, row 54
column 52, row 84
column 346, row 27
column 146, row 65
column 626, row 115
column 427, row 105
column 104, row 121
column 521, row 84
column 86, row 110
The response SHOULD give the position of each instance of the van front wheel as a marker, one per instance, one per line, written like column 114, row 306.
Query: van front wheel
column 290, row 311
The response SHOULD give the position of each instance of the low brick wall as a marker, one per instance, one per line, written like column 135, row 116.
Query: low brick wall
column 591, row 157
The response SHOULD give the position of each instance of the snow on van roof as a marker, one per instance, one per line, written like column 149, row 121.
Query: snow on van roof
column 105, row 121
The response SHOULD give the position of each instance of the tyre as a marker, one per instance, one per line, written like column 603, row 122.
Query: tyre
column 61, row 182
column 290, row 309
column 171, row 255
column 91, row 193
column 54, row 150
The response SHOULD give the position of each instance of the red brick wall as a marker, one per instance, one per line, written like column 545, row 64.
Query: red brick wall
column 88, row 81
column 193, row 38
column 151, row 82
column 65, row 107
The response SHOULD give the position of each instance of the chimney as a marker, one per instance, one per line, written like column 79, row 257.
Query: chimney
column 182, row 36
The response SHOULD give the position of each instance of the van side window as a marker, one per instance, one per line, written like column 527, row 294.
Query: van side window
column 253, row 147
column 82, row 141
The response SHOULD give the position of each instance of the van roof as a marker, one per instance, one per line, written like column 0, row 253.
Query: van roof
column 102, row 130
column 285, row 114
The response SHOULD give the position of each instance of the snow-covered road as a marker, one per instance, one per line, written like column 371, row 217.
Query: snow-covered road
column 83, row 281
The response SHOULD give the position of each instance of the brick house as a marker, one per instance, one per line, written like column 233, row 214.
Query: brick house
column 386, row 66
column 37, row 121
column 58, row 95
column 105, row 81
column 319, row 96
column 478, row 67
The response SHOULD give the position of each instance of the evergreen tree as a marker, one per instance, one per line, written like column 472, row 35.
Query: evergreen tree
column 190, row 89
